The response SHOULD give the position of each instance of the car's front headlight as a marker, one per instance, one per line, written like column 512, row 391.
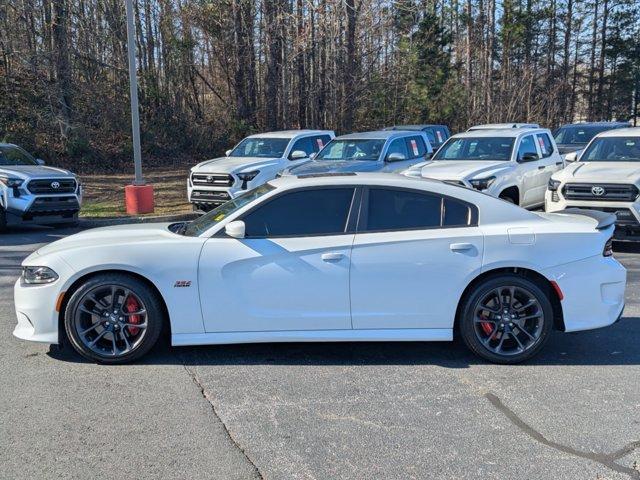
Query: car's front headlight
column 247, row 177
column 38, row 275
column 10, row 181
column 553, row 185
column 482, row 183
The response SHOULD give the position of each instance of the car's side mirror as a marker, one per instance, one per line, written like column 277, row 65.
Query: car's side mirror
column 235, row 229
column 395, row 157
column 298, row 155
column 227, row 153
column 571, row 157
column 39, row 161
column 529, row 157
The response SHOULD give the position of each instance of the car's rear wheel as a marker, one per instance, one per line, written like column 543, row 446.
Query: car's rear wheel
column 113, row 318
column 506, row 319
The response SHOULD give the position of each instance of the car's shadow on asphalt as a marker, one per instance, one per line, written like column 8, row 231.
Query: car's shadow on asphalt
column 615, row 345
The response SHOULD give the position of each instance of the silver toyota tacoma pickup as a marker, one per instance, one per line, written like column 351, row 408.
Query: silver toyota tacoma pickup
column 31, row 193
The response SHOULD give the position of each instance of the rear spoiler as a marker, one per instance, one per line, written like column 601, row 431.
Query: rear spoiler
column 604, row 219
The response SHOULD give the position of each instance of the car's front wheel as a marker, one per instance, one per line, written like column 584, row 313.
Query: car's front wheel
column 506, row 318
column 113, row 318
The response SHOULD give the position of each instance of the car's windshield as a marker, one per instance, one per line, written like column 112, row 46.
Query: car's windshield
column 365, row 149
column 480, row 148
column 208, row 220
column 261, row 147
column 578, row 135
column 613, row 149
column 12, row 155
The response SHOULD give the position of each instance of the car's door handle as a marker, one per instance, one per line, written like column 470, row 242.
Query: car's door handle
column 460, row 247
column 541, row 167
column 332, row 256
column 558, row 163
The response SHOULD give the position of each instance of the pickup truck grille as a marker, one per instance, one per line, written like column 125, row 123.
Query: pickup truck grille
column 212, row 179
column 209, row 196
column 606, row 192
column 65, row 206
column 53, row 185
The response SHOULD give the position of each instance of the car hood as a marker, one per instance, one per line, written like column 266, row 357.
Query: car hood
column 235, row 164
column 30, row 172
column 460, row 169
column 110, row 236
column 341, row 166
column 603, row 172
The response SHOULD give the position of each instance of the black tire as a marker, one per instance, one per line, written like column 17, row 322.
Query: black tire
column 496, row 327
column 154, row 318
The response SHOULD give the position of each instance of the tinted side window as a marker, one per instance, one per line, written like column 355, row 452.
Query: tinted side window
column 402, row 210
column 304, row 144
column 306, row 212
column 416, row 146
column 455, row 213
column 527, row 145
column 398, row 146
column 546, row 147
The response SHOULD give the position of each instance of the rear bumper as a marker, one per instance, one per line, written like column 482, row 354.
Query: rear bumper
column 593, row 291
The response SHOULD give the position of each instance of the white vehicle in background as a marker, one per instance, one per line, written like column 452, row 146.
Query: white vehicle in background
column 254, row 161
column 606, row 177
column 513, row 164
column 31, row 193
column 341, row 257
column 502, row 126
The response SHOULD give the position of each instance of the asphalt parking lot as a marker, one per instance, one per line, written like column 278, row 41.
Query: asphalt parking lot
column 321, row 411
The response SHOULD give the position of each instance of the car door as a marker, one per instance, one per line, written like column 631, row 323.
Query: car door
column 290, row 272
column 413, row 255
column 531, row 170
column 304, row 144
column 550, row 156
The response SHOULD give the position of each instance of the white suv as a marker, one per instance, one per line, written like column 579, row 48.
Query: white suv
column 254, row 161
column 606, row 177
column 513, row 164
column 31, row 193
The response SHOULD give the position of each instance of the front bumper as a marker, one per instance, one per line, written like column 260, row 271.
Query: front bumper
column 593, row 291
column 627, row 213
column 41, row 209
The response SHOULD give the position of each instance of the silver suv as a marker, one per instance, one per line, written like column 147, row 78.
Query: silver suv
column 31, row 193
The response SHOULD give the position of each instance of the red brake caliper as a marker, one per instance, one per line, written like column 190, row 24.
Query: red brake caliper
column 132, row 305
column 487, row 327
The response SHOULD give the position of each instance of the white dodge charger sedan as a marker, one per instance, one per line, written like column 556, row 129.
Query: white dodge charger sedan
column 341, row 257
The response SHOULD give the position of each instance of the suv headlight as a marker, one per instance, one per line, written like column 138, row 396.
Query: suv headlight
column 482, row 183
column 247, row 177
column 553, row 185
column 11, row 182
column 38, row 275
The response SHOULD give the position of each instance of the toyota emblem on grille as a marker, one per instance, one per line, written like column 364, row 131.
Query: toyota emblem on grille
column 598, row 191
column 55, row 185
column 209, row 179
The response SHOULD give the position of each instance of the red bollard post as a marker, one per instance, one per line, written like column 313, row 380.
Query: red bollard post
column 138, row 199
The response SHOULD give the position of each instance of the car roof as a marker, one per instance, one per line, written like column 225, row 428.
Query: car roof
column 621, row 132
column 500, row 126
column 597, row 124
column 504, row 132
column 414, row 127
column 290, row 133
column 376, row 135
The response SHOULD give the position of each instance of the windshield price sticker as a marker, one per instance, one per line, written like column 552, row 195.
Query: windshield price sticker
column 439, row 134
column 319, row 142
column 414, row 147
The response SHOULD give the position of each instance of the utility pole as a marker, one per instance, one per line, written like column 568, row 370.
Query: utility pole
column 139, row 195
